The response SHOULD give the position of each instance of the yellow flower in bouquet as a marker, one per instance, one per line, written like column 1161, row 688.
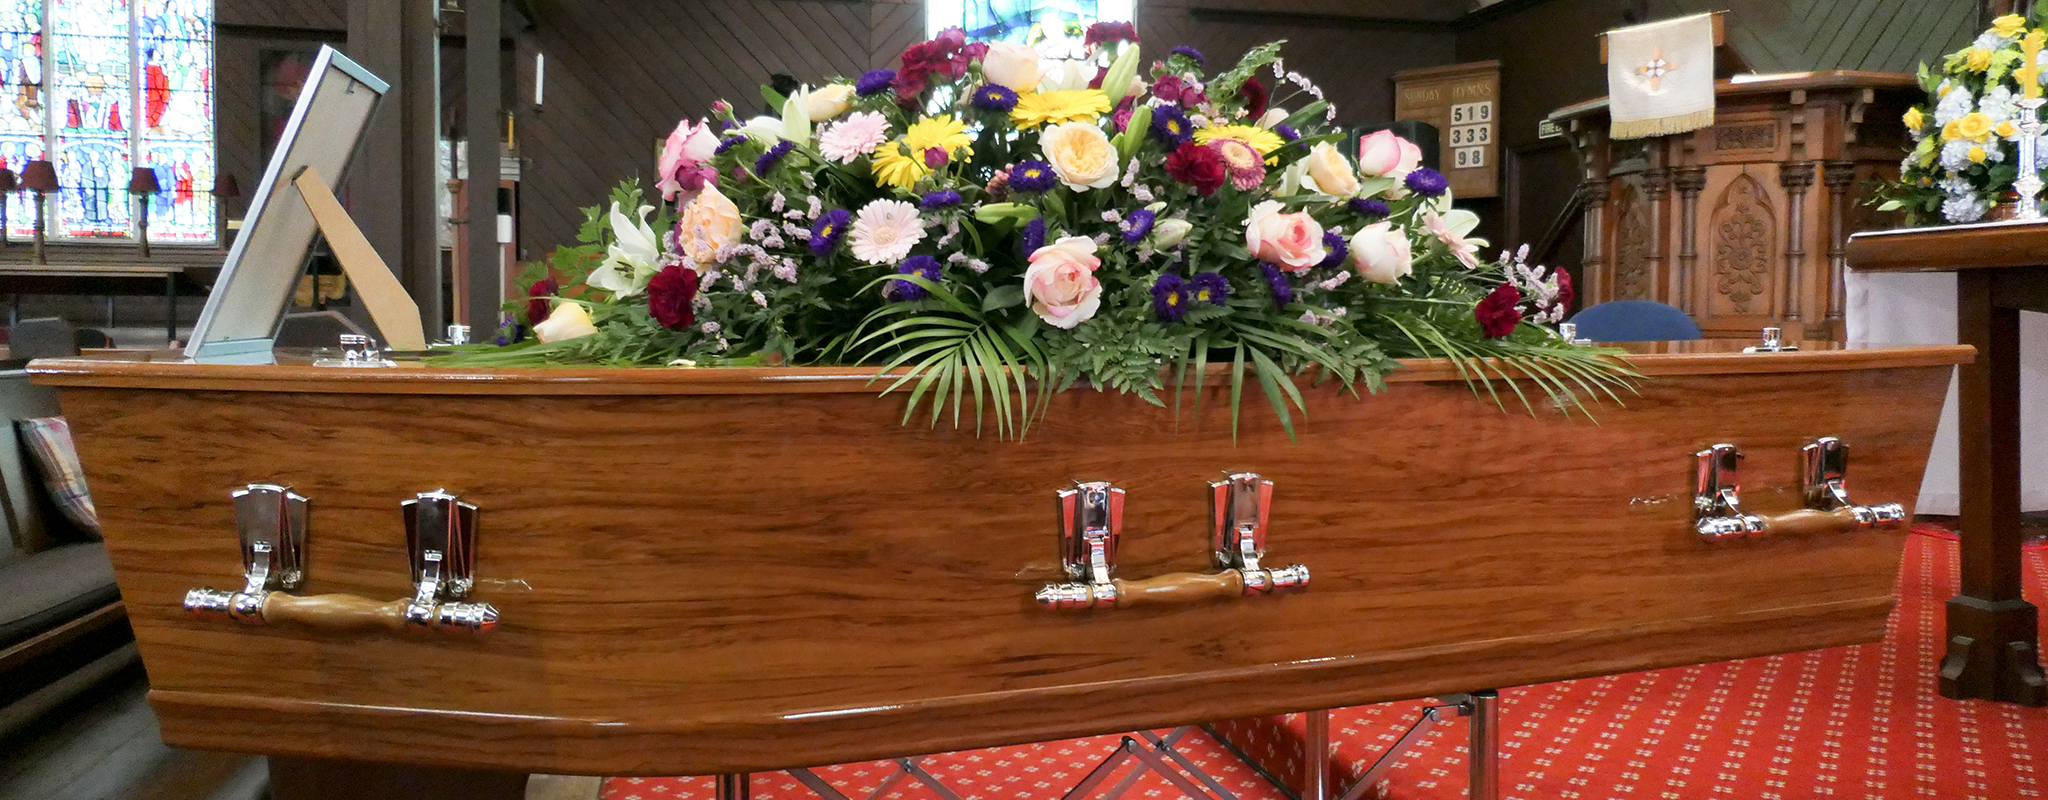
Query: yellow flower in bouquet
column 1973, row 126
column 1063, row 105
column 902, row 162
column 1260, row 139
column 2006, row 129
column 2009, row 25
column 1915, row 119
column 1977, row 59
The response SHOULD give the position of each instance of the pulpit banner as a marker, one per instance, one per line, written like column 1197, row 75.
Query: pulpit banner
column 1660, row 77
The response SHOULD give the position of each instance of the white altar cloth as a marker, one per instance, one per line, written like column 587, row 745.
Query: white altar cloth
column 1920, row 308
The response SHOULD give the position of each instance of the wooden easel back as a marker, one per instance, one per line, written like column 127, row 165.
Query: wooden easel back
column 1720, row 34
column 394, row 311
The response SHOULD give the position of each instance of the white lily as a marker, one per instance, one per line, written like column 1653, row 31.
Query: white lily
column 796, row 117
column 764, row 129
column 630, row 261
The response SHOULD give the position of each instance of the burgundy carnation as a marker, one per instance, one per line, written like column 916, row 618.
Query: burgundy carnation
column 669, row 295
column 1198, row 166
column 1565, row 293
column 1498, row 314
column 538, row 307
column 1255, row 98
column 1102, row 32
column 948, row 54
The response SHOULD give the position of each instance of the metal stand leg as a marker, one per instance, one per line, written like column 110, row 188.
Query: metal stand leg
column 1148, row 759
column 905, row 768
column 738, row 786
column 1315, row 766
column 1164, row 748
column 1484, row 744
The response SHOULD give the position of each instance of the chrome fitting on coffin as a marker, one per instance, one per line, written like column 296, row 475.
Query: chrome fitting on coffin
column 1716, row 495
column 1823, row 481
column 1091, row 522
column 440, row 535
column 272, row 522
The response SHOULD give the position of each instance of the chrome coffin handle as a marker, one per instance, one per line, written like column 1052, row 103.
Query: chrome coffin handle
column 1717, row 504
column 441, row 539
column 1091, row 522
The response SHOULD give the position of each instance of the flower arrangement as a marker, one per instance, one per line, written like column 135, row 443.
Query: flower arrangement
column 1965, row 154
column 987, row 228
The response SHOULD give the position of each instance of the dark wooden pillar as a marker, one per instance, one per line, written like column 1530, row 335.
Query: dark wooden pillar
column 391, row 186
column 1796, row 177
column 321, row 779
column 1838, row 175
column 1992, row 629
column 1690, row 181
column 484, row 121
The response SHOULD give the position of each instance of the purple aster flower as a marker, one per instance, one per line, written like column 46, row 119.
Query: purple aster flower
column 874, row 81
column 1170, row 127
column 1034, row 236
column 924, row 267
column 1209, row 287
column 1287, row 132
column 1283, row 292
column 1138, row 225
column 1427, row 182
column 729, row 143
column 768, row 160
column 730, row 124
column 1190, row 52
column 1369, row 208
column 934, row 201
column 1170, row 297
column 826, row 232
column 1032, row 176
column 1339, row 251
column 994, row 97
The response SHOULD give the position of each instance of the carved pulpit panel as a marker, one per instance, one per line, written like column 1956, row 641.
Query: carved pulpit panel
column 1740, row 224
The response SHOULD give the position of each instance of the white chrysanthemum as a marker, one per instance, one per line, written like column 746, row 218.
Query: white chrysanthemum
column 885, row 231
column 1954, row 105
column 1955, row 154
column 1964, row 208
column 1989, row 40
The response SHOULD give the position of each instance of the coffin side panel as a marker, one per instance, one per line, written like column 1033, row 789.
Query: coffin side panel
column 694, row 584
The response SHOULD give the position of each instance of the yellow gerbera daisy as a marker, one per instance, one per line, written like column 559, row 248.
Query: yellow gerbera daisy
column 1260, row 139
column 894, row 167
column 945, row 133
column 1064, row 105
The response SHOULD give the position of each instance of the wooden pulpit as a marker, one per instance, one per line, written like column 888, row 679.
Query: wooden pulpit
column 1741, row 224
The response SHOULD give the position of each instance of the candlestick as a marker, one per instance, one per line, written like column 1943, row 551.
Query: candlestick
column 2028, row 184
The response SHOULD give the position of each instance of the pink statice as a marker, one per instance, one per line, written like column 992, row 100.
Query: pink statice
column 855, row 136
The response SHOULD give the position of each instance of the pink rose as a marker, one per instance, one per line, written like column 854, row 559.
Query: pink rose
column 1292, row 241
column 1382, row 154
column 683, row 166
column 1060, row 284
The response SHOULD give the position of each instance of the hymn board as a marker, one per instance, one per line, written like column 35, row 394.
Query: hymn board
column 1463, row 102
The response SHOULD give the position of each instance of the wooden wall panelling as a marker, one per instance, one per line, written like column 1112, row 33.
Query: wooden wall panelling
column 1742, row 245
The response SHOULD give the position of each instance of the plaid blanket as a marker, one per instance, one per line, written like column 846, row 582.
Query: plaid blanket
column 49, row 445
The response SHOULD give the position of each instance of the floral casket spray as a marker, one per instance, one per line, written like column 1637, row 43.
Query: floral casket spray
column 475, row 562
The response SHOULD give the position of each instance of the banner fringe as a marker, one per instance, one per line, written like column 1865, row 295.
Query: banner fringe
column 1661, row 126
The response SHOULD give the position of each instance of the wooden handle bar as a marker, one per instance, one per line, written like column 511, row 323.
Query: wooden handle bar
column 342, row 612
column 1809, row 522
column 1178, row 587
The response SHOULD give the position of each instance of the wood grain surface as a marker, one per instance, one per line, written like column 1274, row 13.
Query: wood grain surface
column 698, row 576
column 1987, row 245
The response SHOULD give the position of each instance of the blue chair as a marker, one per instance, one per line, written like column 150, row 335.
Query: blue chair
column 1635, row 321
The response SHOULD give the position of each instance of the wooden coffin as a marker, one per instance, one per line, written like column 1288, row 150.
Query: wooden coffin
column 725, row 570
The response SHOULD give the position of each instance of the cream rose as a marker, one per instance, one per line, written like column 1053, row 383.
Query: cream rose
column 1383, row 154
column 1382, row 253
column 1013, row 66
column 827, row 102
column 1329, row 173
column 1292, row 241
column 567, row 321
column 1081, row 154
column 709, row 222
column 1060, row 284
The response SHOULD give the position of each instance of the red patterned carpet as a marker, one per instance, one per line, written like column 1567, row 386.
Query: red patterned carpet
column 1860, row 721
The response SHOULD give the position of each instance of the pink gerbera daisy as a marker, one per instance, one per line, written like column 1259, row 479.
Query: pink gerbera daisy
column 855, row 136
column 1242, row 162
column 885, row 231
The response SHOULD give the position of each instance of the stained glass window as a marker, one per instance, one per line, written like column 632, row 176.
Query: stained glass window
column 113, row 85
column 1055, row 27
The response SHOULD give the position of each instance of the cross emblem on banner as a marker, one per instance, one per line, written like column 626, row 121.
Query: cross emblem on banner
column 1654, row 71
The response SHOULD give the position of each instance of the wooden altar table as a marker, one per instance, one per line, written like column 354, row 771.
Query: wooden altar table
column 2001, row 269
